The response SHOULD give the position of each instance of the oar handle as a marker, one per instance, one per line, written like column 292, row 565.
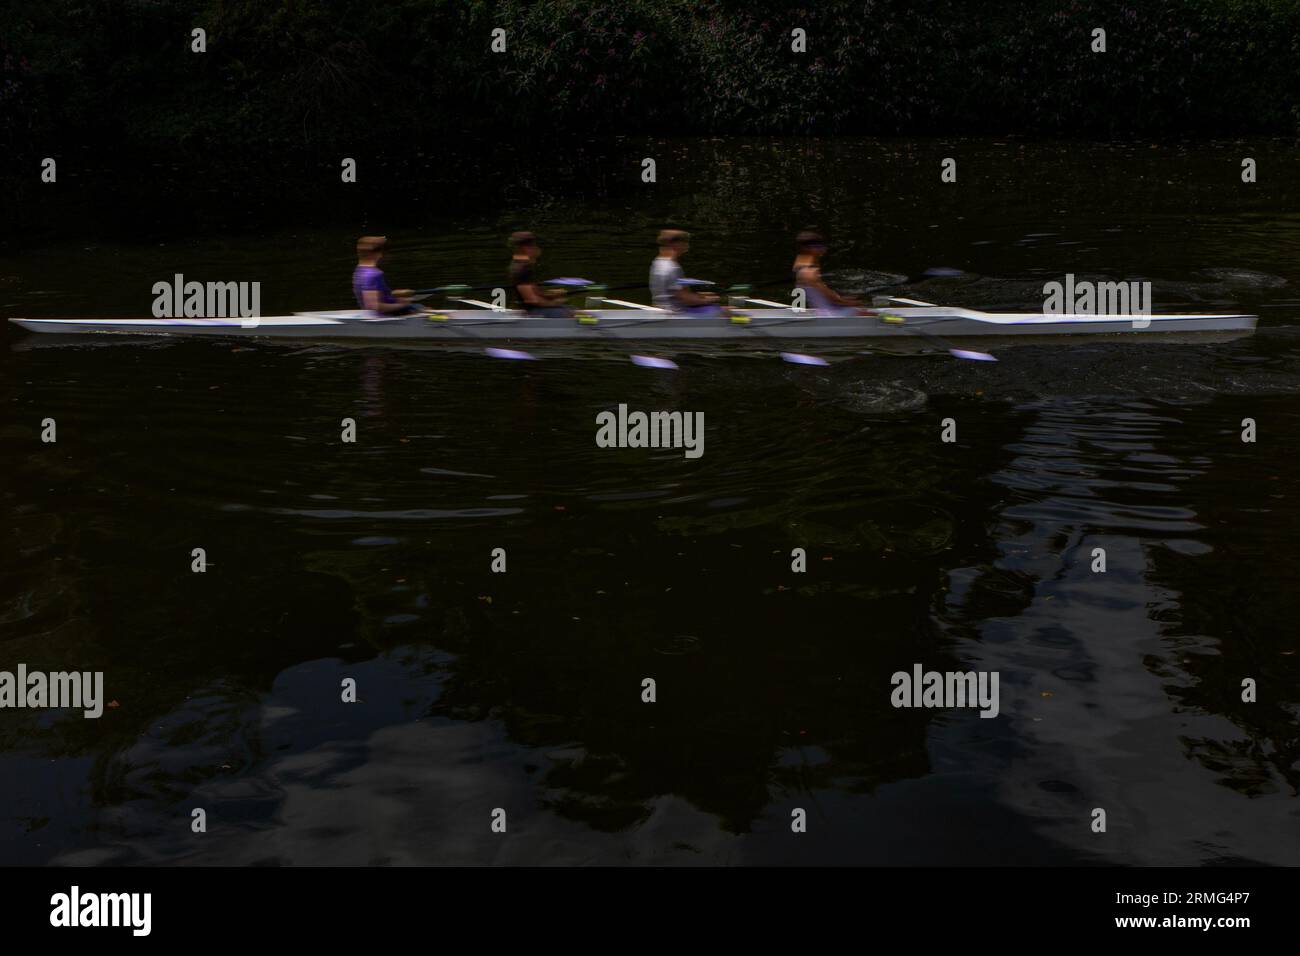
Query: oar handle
column 460, row 287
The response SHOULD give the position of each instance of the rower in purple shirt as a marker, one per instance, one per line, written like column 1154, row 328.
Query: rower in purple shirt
column 821, row 299
column 371, row 288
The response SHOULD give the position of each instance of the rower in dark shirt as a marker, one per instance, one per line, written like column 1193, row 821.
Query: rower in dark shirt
column 530, row 297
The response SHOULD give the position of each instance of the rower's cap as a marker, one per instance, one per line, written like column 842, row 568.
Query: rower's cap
column 369, row 245
column 518, row 239
column 667, row 236
column 809, row 237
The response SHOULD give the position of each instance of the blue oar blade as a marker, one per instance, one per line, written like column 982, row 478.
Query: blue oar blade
column 511, row 354
column 797, row 358
column 649, row 361
column 568, row 281
column 971, row 356
column 695, row 282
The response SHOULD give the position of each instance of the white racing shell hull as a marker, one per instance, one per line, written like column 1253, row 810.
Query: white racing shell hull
column 463, row 326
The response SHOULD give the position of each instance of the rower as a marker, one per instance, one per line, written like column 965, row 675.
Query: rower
column 810, row 246
column 667, row 290
column 529, row 296
column 371, row 288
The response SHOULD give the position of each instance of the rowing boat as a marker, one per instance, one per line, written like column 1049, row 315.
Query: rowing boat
column 648, row 324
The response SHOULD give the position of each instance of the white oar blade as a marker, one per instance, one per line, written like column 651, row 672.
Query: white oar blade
column 650, row 361
column 971, row 356
column 796, row 358
column 511, row 354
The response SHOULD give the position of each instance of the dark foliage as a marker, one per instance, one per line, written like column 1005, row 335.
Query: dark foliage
column 343, row 74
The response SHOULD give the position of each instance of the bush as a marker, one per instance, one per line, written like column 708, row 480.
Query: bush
column 341, row 74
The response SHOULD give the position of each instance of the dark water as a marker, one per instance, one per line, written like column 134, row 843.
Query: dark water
column 522, row 690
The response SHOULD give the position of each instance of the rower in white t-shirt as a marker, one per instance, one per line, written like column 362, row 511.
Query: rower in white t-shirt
column 666, row 288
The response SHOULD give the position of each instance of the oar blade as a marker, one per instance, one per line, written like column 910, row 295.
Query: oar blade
column 798, row 358
column 651, row 361
column 970, row 356
column 511, row 354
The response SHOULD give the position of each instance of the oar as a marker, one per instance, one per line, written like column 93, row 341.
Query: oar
column 967, row 354
column 736, row 292
column 478, row 304
column 460, row 329
column 419, row 295
column 460, row 287
column 652, row 361
column 511, row 354
column 493, row 352
column 463, row 330
column 932, row 273
column 936, row 272
column 642, row 361
column 622, row 288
